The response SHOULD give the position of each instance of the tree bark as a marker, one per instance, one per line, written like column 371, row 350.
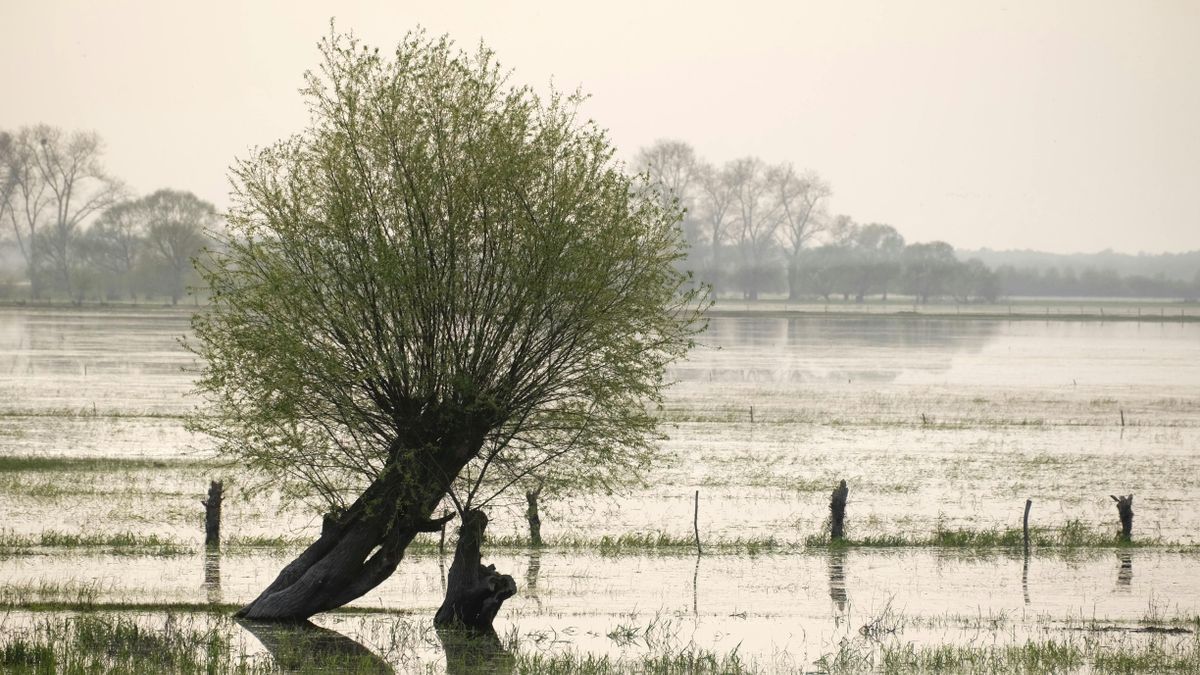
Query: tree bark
column 474, row 593
column 837, row 511
column 1125, row 513
column 359, row 548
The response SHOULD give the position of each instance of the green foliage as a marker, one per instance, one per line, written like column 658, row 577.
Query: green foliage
column 440, row 263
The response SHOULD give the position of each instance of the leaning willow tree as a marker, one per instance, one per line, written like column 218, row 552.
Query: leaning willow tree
column 442, row 273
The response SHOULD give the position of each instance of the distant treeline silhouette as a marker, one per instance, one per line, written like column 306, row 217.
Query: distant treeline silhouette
column 755, row 228
column 70, row 230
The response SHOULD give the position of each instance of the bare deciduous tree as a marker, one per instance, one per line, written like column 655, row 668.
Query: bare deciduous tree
column 56, row 182
column 799, row 197
column 756, row 218
column 715, row 206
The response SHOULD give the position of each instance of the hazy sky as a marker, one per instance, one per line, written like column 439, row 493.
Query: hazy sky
column 1062, row 126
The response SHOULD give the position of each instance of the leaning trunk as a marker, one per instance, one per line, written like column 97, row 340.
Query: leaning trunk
column 359, row 548
column 474, row 593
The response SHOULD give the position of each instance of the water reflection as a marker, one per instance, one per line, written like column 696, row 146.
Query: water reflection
column 1025, row 576
column 473, row 652
column 531, row 572
column 212, row 576
column 1125, row 571
column 844, row 349
column 837, row 582
column 307, row 647
column 531, row 576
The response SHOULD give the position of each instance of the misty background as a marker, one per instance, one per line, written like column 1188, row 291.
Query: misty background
column 1055, row 145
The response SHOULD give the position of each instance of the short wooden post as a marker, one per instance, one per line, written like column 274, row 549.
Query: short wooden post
column 1125, row 511
column 1025, row 524
column 212, row 514
column 837, row 511
column 696, row 522
column 533, row 517
column 1122, row 417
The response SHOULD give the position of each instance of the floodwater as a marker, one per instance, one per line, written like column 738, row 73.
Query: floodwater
column 932, row 422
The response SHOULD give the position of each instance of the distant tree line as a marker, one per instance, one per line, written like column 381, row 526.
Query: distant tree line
column 74, row 231
column 755, row 228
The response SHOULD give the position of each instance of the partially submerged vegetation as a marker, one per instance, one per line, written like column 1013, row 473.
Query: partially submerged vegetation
column 120, row 543
column 205, row 640
column 1071, row 535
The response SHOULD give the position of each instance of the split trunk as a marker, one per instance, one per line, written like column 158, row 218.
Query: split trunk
column 360, row 547
column 474, row 593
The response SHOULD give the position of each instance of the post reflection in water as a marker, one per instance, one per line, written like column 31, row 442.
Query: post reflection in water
column 307, row 647
column 1025, row 577
column 837, row 582
column 212, row 576
column 531, row 572
column 1125, row 572
column 531, row 576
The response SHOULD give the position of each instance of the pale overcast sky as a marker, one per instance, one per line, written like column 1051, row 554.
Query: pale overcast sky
column 1061, row 126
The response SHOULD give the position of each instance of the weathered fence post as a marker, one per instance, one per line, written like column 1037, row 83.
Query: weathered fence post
column 1025, row 525
column 531, row 515
column 837, row 511
column 212, row 514
column 1125, row 511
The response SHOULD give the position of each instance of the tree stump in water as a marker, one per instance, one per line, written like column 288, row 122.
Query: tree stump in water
column 531, row 515
column 1125, row 511
column 474, row 593
column 212, row 514
column 837, row 511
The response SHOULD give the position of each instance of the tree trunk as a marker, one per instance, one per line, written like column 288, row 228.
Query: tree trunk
column 474, row 593
column 212, row 515
column 793, row 282
column 531, row 515
column 1125, row 512
column 359, row 548
column 837, row 511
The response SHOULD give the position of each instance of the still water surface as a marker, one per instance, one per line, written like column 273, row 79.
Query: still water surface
column 932, row 422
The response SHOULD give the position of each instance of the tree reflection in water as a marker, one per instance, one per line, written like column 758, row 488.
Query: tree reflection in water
column 305, row 646
column 474, row 652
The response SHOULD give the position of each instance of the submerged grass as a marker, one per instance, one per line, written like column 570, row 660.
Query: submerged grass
column 91, row 643
column 30, row 463
column 686, row 661
column 120, row 543
column 1072, row 534
column 1046, row 656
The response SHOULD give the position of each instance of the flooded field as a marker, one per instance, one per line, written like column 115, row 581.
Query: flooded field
column 942, row 428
